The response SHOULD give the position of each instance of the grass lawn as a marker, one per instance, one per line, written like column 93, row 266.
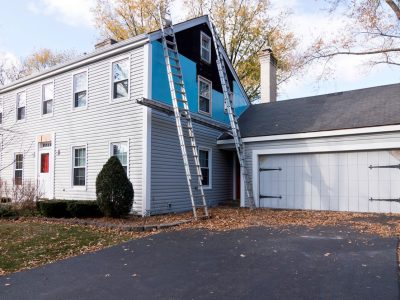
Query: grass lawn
column 29, row 243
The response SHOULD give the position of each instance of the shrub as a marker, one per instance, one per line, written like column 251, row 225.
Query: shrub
column 114, row 191
column 68, row 208
column 7, row 211
column 53, row 208
column 83, row 209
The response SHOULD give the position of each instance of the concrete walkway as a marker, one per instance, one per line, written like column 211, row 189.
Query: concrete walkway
column 255, row 263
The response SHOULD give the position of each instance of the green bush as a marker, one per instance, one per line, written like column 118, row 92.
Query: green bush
column 7, row 211
column 83, row 209
column 68, row 208
column 114, row 191
column 53, row 208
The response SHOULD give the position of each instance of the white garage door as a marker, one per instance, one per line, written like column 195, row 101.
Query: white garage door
column 350, row 181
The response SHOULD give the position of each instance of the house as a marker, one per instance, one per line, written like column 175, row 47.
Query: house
column 60, row 126
column 331, row 152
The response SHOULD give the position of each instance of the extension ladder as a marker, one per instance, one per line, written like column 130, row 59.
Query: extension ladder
column 228, row 103
column 182, row 117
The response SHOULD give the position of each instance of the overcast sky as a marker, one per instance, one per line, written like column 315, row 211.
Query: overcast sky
column 27, row 25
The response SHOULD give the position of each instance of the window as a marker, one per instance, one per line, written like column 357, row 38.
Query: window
column 79, row 166
column 21, row 105
column 19, row 165
column 47, row 98
column 205, row 165
column 120, row 150
column 80, row 89
column 205, row 47
column 204, row 96
column 120, row 81
column 44, row 162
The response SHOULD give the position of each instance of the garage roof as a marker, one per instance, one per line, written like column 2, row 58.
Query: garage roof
column 376, row 106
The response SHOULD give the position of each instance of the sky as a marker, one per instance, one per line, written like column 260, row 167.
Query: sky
column 28, row 25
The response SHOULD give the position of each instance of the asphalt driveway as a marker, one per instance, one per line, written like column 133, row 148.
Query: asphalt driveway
column 255, row 263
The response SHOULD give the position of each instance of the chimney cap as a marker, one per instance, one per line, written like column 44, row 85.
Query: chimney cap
column 267, row 52
column 104, row 43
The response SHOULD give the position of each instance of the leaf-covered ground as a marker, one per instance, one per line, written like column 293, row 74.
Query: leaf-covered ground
column 30, row 242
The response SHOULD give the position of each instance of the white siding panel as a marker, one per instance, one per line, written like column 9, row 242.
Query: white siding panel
column 98, row 125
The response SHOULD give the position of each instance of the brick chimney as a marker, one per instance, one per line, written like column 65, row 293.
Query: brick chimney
column 105, row 43
column 268, row 76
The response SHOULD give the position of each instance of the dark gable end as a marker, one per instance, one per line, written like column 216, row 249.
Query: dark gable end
column 188, row 41
column 376, row 106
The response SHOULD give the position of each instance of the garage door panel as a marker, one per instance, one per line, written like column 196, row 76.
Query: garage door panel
column 332, row 181
column 334, row 202
column 353, row 203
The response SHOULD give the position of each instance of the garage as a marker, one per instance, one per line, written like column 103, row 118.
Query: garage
column 364, row 181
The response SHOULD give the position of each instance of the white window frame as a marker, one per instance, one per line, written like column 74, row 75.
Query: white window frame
column 42, row 98
column 209, row 82
column 78, row 187
column 210, row 169
column 110, row 152
column 73, row 89
column 15, row 167
column 16, row 106
column 203, row 34
column 117, row 59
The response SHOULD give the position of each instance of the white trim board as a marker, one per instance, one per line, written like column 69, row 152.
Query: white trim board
column 306, row 135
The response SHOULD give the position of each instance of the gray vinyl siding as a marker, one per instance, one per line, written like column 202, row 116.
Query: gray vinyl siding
column 168, row 181
column 95, row 127
column 377, row 139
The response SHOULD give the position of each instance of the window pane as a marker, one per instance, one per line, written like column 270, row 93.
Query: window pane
column 206, row 177
column 120, row 150
column 205, row 48
column 18, row 177
column 120, row 70
column 44, row 163
column 121, row 89
column 203, row 155
column 80, row 157
column 80, row 99
column 21, row 113
column 21, row 99
column 80, row 83
column 48, row 107
column 79, row 176
column 204, row 105
column 48, row 90
column 205, row 90
column 19, row 161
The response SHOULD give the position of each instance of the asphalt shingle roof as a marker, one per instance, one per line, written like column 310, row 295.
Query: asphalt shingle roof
column 376, row 106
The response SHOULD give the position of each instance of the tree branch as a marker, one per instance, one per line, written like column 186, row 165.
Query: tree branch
column 394, row 7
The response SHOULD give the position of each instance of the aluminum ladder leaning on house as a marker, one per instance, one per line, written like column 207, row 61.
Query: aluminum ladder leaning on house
column 182, row 115
column 228, row 102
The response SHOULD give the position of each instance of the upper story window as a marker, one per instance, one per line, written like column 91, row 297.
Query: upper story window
column 18, row 168
column 21, row 105
column 205, row 47
column 205, row 165
column 205, row 96
column 47, row 98
column 120, row 150
column 120, row 79
column 80, row 89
